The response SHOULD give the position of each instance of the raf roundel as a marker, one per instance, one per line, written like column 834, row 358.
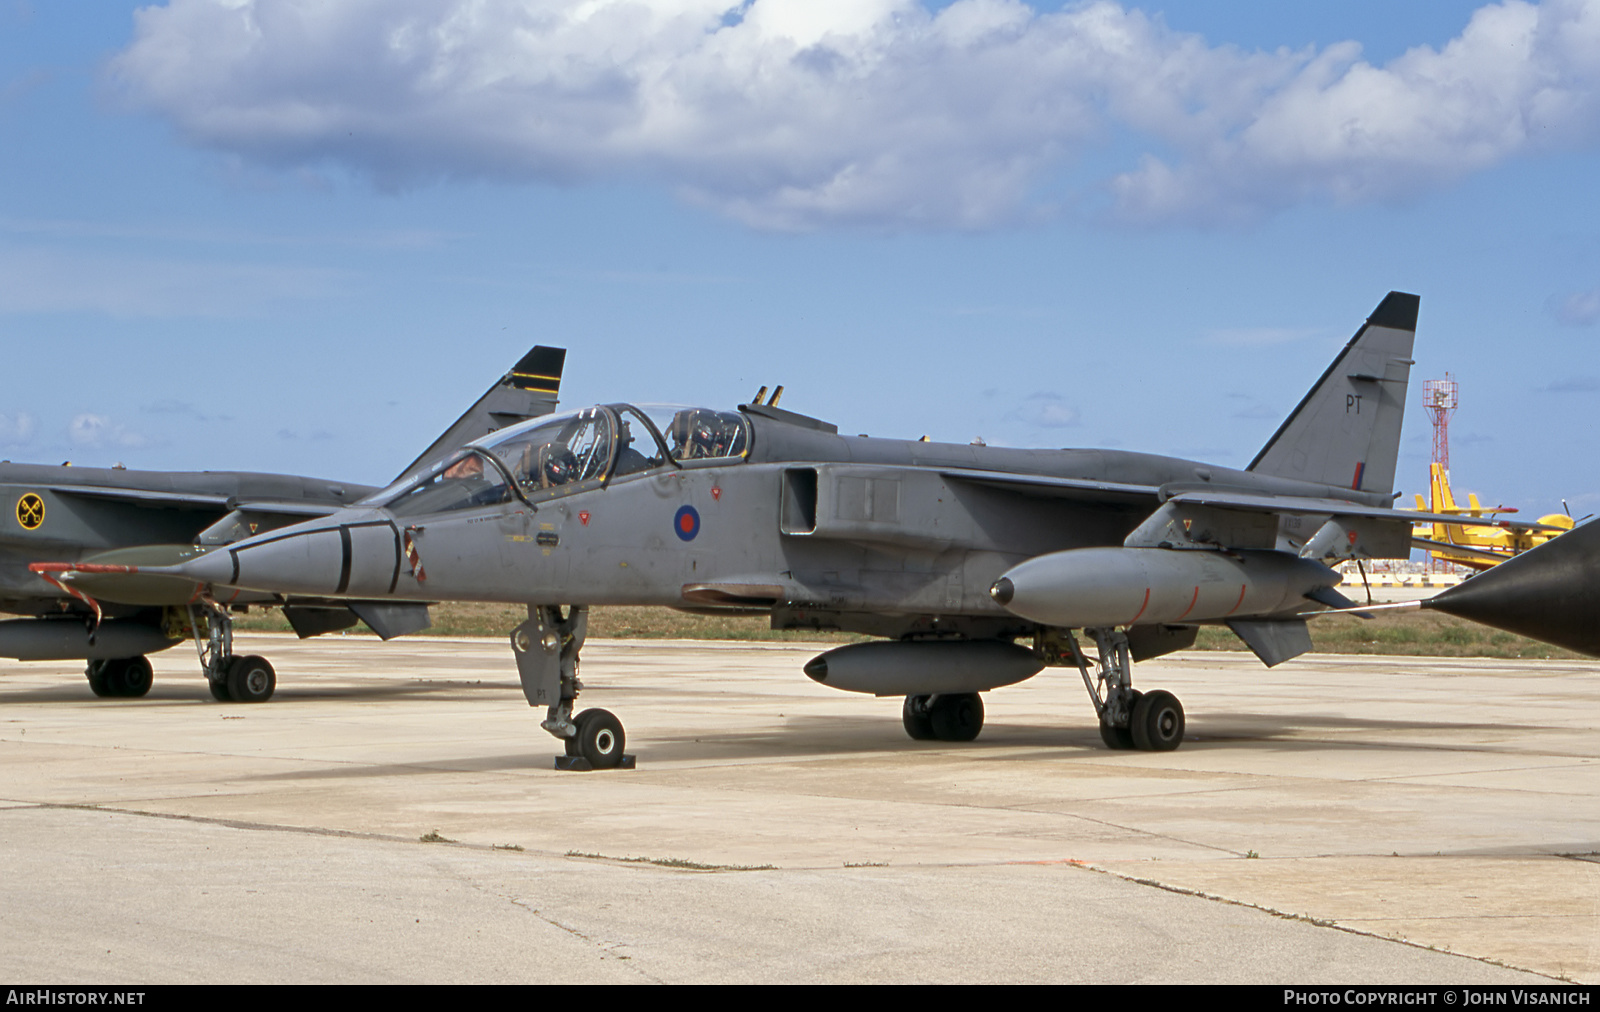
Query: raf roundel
column 686, row 524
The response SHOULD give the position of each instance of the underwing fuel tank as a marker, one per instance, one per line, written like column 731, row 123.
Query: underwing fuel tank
column 1101, row 587
column 70, row 638
column 924, row 667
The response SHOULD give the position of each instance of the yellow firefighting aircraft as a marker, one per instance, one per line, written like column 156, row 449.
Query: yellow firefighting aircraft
column 1477, row 547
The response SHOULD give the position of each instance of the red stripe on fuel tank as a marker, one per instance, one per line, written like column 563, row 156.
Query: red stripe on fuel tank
column 1237, row 603
column 1142, row 607
column 1192, row 601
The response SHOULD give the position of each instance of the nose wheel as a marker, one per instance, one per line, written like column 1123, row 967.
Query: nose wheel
column 600, row 739
column 231, row 678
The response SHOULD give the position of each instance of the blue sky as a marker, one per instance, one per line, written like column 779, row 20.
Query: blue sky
column 302, row 238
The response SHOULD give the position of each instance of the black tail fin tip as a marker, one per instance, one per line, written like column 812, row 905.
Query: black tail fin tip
column 1397, row 311
column 540, row 369
column 1551, row 593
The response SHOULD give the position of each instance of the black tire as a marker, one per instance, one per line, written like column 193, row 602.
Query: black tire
column 572, row 744
column 219, row 689
column 1157, row 724
column 98, row 682
column 914, row 715
column 600, row 738
column 1119, row 738
column 957, row 717
column 135, row 677
column 251, row 679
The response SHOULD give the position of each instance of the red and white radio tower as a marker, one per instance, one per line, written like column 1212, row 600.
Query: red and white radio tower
column 1439, row 397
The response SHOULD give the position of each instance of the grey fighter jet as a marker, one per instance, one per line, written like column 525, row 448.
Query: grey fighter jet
column 69, row 535
column 976, row 566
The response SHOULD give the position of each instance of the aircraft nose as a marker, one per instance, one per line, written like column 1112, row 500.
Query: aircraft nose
column 303, row 562
column 1003, row 591
column 358, row 556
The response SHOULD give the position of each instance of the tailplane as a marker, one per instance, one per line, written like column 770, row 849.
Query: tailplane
column 1346, row 432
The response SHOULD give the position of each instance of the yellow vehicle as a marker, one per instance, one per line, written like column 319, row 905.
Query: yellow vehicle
column 1478, row 547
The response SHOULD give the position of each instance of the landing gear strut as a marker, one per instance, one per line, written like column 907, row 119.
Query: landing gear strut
column 232, row 679
column 547, row 647
column 1152, row 722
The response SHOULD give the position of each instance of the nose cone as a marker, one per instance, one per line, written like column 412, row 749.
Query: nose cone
column 130, row 575
column 1003, row 591
column 1550, row 593
column 817, row 668
column 351, row 553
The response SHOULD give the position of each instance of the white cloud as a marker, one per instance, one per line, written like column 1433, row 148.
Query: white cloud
column 1575, row 385
column 18, row 430
column 1577, row 309
column 1521, row 77
column 1048, row 411
column 36, row 279
column 804, row 113
column 90, row 430
column 1255, row 337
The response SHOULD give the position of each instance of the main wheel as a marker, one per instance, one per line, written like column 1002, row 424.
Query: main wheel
column 914, row 715
column 251, row 679
column 98, row 683
column 1116, row 737
column 957, row 717
column 135, row 677
column 600, row 738
column 1157, row 723
column 219, row 689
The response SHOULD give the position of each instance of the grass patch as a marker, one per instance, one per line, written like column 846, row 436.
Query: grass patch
column 673, row 862
column 1417, row 633
column 497, row 620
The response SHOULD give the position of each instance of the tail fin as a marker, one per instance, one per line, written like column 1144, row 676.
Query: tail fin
column 1439, row 483
column 527, row 391
column 1346, row 432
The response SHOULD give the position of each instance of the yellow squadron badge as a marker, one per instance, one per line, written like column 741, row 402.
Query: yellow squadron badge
column 30, row 511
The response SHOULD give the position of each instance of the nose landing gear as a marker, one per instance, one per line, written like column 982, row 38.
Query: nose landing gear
column 546, row 647
column 231, row 678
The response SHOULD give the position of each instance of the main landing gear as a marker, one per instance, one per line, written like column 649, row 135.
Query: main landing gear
column 546, row 647
column 1150, row 721
column 122, row 677
column 947, row 717
column 232, row 679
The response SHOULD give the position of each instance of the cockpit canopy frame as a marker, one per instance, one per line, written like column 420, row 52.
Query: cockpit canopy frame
column 559, row 455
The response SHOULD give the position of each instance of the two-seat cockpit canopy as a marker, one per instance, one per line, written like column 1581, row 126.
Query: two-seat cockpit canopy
column 560, row 454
